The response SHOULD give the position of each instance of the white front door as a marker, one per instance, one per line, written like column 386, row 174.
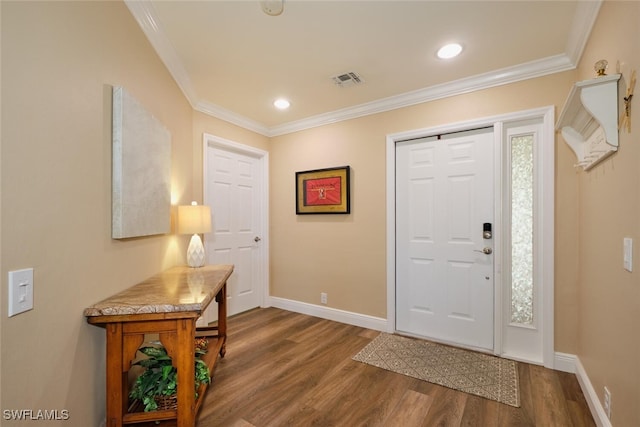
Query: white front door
column 233, row 190
column 444, row 196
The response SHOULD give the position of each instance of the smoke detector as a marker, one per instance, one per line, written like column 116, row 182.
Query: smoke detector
column 347, row 79
column 272, row 7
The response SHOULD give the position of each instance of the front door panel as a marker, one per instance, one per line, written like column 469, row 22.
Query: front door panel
column 444, row 278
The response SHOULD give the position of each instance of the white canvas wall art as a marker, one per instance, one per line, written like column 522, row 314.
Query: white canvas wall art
column 141, row 170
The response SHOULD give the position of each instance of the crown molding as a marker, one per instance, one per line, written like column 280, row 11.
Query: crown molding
column 586, row 14
column 231, row 117
column 147, row 17
column 583, row 21
column 539, row 68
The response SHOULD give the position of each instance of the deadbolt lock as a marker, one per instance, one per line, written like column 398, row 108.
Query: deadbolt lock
column 486, row 230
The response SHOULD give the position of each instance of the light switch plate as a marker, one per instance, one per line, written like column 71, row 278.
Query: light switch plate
column 628, row 254
column 20, row 291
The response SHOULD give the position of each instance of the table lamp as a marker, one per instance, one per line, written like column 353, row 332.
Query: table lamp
column 194, row 219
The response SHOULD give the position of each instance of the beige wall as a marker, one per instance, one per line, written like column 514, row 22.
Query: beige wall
column 2, row 298
column 609, row 210
column 345, row 255
column 58, row 62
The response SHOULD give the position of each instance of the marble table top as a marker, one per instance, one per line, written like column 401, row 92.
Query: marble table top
column 178, row 289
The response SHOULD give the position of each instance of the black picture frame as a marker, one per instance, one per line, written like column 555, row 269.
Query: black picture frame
column 323, row 191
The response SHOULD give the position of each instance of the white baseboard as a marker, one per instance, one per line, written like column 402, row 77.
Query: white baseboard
column 597, row 411
column 564, row 362
column 362, row 320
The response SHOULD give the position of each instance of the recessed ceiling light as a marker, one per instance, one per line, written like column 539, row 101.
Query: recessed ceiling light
column 449, row 51
column 281, row 104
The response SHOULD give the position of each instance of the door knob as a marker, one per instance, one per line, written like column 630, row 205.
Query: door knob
column 256, row 239
column 486, row 251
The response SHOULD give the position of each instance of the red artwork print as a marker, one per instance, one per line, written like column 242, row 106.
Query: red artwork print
column 323, row 191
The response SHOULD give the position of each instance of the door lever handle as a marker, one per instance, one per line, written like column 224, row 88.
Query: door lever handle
column 486, row 251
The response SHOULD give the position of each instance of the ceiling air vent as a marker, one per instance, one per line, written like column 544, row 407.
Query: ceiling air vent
column 347, row 79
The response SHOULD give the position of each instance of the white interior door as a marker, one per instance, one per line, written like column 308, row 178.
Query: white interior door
column 444, row 196
column 233, row 190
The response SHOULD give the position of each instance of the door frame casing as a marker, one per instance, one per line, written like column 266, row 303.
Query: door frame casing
column 545, row 186
column 212, row 141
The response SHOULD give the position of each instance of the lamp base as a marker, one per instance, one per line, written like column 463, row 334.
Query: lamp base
column 195, row 252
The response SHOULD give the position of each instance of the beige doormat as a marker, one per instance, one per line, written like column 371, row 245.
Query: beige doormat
column 468, row 371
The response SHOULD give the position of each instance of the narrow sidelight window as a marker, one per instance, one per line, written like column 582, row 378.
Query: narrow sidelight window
column 522, row 212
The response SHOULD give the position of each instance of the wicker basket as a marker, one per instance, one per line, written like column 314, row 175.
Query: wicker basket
column 166, row 402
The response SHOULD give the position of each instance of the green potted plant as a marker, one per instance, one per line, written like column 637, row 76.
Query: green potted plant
column 157, row 386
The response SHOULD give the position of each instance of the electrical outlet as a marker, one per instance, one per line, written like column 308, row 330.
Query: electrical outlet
column 323, row 297
column 607, row 402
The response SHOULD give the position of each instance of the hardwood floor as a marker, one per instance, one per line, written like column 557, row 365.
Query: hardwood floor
column 288, row 369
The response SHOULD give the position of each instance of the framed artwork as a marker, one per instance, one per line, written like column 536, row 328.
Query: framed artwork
column 141, row 170
column 323, row 191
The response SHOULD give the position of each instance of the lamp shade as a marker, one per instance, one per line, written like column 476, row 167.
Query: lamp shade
column 194, row 219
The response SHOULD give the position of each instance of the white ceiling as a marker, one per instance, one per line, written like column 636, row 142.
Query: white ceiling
column 232, row 60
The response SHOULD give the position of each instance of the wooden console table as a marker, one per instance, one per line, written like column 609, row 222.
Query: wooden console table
column 167, row 304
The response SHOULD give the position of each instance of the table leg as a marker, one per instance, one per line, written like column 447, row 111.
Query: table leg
column 116, row 392
column 221, row 299
column 184, row 363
